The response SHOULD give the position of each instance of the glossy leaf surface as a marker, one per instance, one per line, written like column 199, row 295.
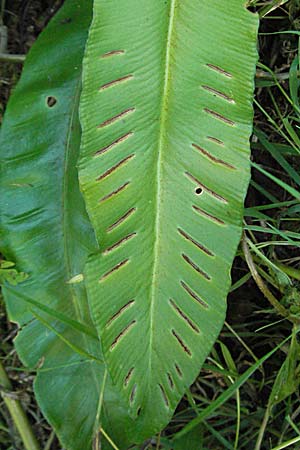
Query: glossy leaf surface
column 46, row 231
column 166, row 112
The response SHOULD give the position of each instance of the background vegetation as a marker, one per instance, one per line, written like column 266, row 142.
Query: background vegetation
column 264, row 303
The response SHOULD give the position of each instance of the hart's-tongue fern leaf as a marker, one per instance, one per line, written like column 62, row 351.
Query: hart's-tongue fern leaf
column 46, row 231
column 166, row 112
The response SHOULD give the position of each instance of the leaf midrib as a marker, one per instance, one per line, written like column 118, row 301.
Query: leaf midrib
column 162, row 127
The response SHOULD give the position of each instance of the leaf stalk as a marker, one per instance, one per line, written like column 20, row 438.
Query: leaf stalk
column 261, row 285
column 18, row 59
column 17, row 413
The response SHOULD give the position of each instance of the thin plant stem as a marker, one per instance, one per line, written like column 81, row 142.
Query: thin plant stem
column 2, row 11
column 262, row 429
column 262, row 75
column 50, row 441
column 97, row 426
column 6, row 57
column 213, row 406
column 290, row 423
column 238, row 418
column 241, row 341
column 109, row 439
column 238, row 407
column 276, row 127
column 192, row 401
column 288, row 99
column 287, row 443
column 158, row 441
column 17, row 413
column 260, row 283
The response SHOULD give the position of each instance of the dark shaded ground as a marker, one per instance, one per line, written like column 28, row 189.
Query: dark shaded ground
column 25, row 19
column 247, row 308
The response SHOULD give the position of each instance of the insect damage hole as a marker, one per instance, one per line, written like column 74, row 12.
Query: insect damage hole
column 51, row 101
column 205, row 188
column 198, row 191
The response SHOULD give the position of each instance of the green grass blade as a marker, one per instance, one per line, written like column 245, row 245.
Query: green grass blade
column 228, row 393
column 279, row 182
column 78, row 326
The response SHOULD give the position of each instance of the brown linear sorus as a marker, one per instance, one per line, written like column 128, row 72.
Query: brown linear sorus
column 113, row 144
column 213, row 158
column 122, row 334
column 115, row 192
column 114, row 269
column 187, row 320
column 115, row 167
column 121, row 219
column 115, row 82
column 219, row 70
column 119, row 313
column 117, row 117
column 196, row 243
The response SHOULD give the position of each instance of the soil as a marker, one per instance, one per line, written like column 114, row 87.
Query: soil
column 24, row 19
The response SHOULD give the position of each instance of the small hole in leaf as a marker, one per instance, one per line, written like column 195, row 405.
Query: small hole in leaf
column 51, row 101
column 198, row 191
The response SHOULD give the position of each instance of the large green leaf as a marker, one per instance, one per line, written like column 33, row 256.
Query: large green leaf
column 166, row 112
column 46, row 231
